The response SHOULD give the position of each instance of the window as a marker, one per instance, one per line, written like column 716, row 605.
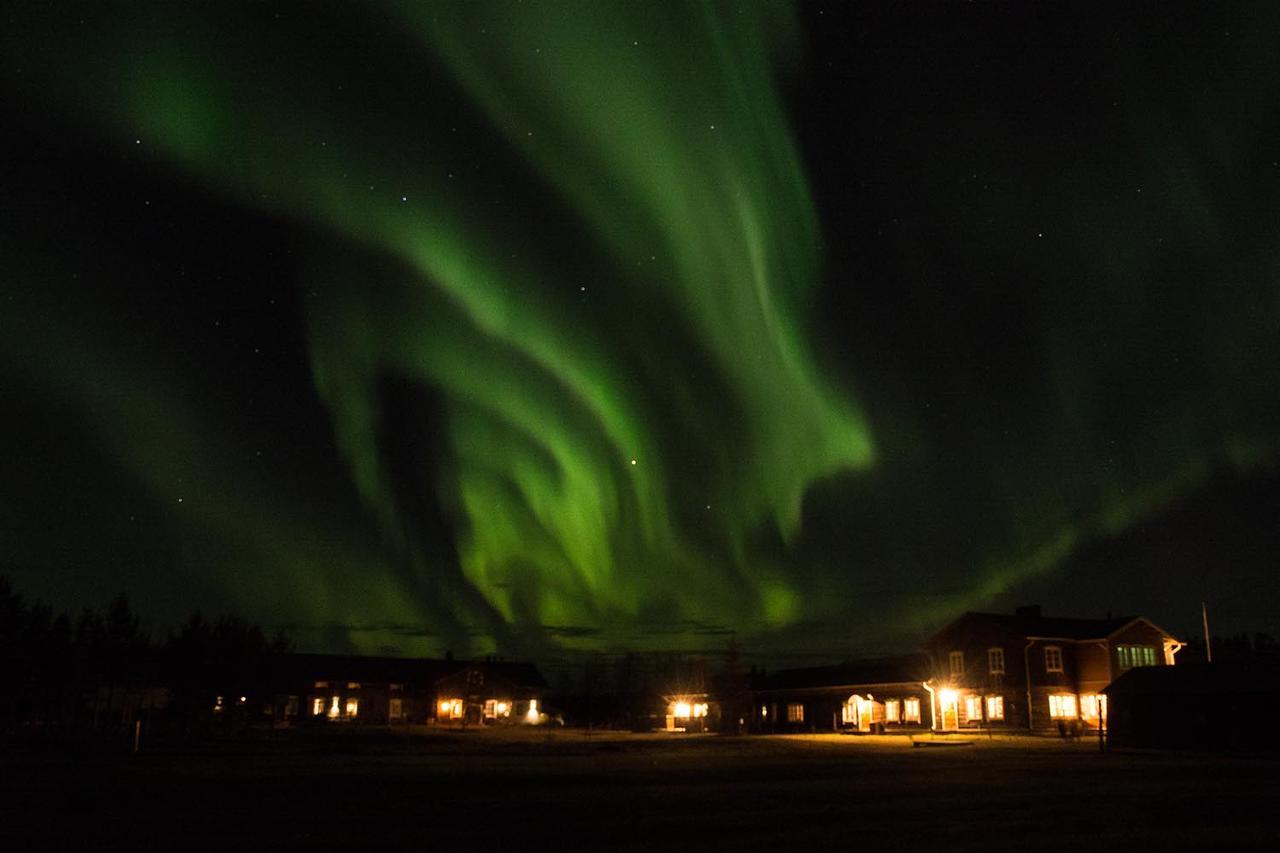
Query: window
column 218, row 704
column 395, row 709
column 995, row 661
column 1052, row 659
column 911, row 710
column 450, row 709
column 995, row 707
column 335, row 708
column 957, row 664
column 1131, row 656
column 291, row 707
column 1062, row 706
column 353, row 706
column 353, row 685
column 322, row 684
column 891, row 711
column 1091, row 704
column 795, row 713
column 973, row 708
column 317, row 706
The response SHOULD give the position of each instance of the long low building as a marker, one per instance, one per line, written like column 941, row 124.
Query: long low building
column 380, row 690
column 878, row 695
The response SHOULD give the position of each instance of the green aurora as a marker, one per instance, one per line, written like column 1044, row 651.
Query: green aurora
column 582, row 237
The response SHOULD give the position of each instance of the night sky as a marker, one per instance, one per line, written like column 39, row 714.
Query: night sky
column 540, row 327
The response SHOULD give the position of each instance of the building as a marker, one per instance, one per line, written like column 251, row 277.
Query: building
column 866, row 696
column 1196, row 706
column 380, row 690
column 1032, row 672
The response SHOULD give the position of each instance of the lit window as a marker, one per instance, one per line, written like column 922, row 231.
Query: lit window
column 1091, row 704
column 1131, row 656
column 795, row 713
column 700, row 709
column 317, row 706
column 353, row 706
column 911, row 710
column 1062, row 706
column 957, row 664
column 764, row 712
column 891, row 714
column 995, row 661
column 395, row 709
column 849, row 710
column 322, row 684
column 336, row 708
column 353, row 685
column 532, row 714
column 973, row 707
column 450, row 709
column 995, row 707
column 681, row 710
column 218, row 704
column 502, row 709
column 1052, row 659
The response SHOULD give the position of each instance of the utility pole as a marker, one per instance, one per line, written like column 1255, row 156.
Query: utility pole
column 1208, row 647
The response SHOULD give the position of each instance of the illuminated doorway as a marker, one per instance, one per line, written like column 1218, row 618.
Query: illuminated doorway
column 949, row 710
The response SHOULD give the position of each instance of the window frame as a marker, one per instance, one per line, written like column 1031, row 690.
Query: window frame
column 1062, row 712
column 1055, row 652
column 956, row 662
column 995, row 658
column 995, row 708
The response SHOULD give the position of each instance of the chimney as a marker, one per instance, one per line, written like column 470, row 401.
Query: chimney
column 1029, row 611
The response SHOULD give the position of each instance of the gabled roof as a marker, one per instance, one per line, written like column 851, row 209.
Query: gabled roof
column 518, row 674
column 1260, row 676
column 1051, row 627
column 401, row 670
column 890, row 670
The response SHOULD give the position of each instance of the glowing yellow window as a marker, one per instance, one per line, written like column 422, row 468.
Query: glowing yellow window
column 973, row 707
column 353, row 706
column 911, row 710
column 995, row 707
column 1062, row 706
column 891, row 710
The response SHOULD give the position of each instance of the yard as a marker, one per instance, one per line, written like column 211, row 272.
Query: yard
column 529, row 789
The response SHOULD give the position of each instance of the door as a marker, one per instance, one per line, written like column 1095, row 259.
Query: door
column 950, row 708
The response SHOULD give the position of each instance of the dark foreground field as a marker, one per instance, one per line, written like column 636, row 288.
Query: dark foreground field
column 530, row 790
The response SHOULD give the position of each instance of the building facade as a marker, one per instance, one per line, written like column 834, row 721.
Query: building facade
column 1026, row 671
column 866, row 696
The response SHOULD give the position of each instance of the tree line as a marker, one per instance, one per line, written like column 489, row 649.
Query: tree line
column 100, row 671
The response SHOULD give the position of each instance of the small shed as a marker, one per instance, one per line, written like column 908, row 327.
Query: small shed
column 1210, row 706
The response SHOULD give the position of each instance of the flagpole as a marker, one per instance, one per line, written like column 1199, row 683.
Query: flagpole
column 1208, row 648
